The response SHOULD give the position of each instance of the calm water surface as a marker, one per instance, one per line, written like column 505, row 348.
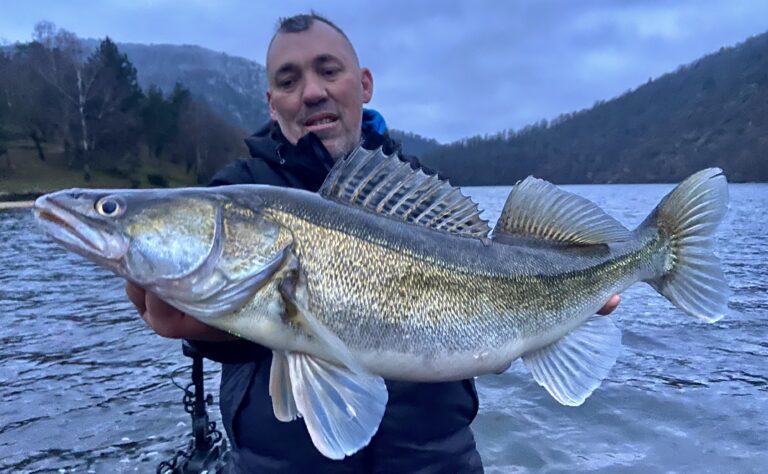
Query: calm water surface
column 86, row 387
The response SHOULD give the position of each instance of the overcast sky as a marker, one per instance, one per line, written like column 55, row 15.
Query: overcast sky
column 447, row 69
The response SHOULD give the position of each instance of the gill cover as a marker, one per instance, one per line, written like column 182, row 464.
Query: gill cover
column 171, row 237
column 208, row 254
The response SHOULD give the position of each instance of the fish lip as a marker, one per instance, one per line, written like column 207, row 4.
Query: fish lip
column 67, row 228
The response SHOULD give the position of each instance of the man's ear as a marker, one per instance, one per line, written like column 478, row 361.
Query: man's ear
column 272, row 112
column 367, row 80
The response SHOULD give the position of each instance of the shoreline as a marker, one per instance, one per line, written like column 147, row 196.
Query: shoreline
column 16, row 204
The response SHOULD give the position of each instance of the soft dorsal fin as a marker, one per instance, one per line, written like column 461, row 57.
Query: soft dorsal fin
column 386, row 185
column 538, row 209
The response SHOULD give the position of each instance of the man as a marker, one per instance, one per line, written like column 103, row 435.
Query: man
column 316, row 94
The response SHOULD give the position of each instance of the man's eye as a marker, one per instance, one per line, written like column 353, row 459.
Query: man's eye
column 330, row 72
column 285, row 83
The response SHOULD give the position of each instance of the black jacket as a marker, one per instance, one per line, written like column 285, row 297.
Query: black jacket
column 425, row 427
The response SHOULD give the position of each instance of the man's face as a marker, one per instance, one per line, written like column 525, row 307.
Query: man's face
column 316, row 85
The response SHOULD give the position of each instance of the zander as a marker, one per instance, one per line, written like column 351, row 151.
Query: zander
column 390, row 273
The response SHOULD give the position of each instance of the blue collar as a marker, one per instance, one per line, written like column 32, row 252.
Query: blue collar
column 373, row 122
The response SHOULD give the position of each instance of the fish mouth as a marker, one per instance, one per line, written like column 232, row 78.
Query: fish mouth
column 76, row 233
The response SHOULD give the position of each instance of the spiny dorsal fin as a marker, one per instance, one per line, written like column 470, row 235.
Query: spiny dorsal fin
column 536, row 208
column 386, row 185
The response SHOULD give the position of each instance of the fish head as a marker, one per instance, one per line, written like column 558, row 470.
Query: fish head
column 187, row 245
column 87, row 222
column 147, row 236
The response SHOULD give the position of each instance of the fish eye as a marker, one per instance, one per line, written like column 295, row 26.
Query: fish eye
column 108, row 207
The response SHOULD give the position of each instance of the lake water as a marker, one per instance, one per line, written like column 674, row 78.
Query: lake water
column 86, row 387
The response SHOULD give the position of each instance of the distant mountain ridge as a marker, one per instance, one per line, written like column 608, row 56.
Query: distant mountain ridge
column 711, row 112
column 234, row 87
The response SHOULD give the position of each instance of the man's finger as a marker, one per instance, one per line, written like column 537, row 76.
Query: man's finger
column 157, row 306
column 137, row 295
column 610, row 305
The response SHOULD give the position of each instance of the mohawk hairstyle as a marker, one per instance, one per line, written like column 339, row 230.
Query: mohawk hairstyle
column 302, row 22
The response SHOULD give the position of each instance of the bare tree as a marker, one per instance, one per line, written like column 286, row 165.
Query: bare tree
column 30, row 102
column 57, row 57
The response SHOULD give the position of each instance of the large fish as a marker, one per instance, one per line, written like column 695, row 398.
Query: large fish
column 390, row 273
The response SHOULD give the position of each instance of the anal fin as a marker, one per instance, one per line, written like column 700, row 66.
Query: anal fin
column 572, row 367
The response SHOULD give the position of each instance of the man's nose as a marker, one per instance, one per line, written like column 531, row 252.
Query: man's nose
column 314, row 90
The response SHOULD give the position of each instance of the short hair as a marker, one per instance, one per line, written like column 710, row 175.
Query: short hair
column 302, row 22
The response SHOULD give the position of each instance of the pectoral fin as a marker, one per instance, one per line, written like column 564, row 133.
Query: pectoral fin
column 341, row 409
column 342, row 404
column 572, row 367
column 294, row 291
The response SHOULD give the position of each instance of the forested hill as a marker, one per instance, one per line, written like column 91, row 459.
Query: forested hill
column 712, row 112
column 413, row 143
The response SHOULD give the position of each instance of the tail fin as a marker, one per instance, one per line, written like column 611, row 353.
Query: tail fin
column 688, row 216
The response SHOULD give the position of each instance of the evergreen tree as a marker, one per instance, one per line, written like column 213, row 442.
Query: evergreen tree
column 160, row 117
column 113, row 107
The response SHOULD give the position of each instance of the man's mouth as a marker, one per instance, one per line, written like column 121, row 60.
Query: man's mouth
column 319, row 122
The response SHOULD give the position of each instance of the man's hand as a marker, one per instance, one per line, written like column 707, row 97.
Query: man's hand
column 610, row 305
column 168, row 321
